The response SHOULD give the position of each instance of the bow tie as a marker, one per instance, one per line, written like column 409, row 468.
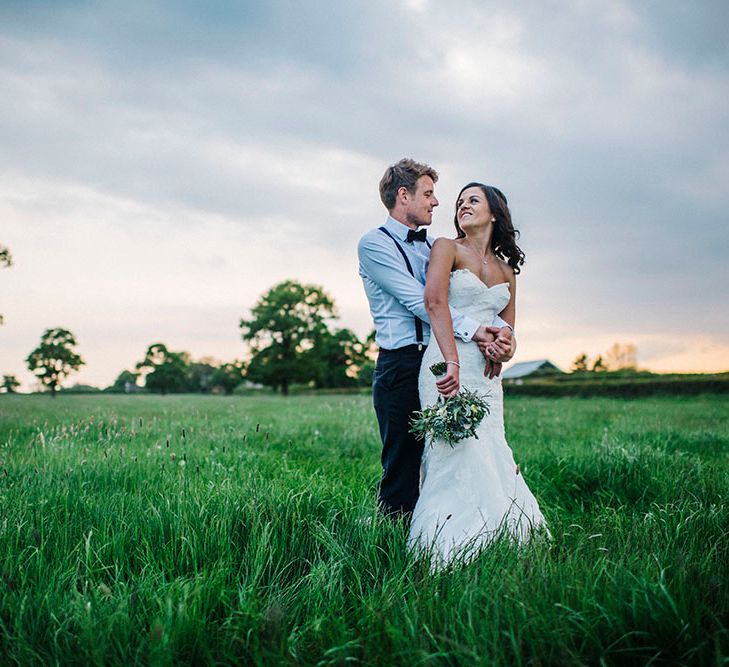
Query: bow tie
column 416, row 236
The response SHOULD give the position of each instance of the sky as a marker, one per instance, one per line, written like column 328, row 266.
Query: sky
column 163, row 164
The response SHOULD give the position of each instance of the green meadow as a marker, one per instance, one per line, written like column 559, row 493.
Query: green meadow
column 209, row 530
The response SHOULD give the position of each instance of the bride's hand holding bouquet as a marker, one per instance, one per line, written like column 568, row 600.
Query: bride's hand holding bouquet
column 456, row 415
column 449, row 384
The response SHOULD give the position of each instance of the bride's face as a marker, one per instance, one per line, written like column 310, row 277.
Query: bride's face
column 472, row 209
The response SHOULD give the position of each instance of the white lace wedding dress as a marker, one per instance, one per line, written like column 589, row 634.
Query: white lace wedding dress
column 470, row 492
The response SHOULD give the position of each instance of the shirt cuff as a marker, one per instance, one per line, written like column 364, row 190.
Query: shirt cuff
column 466, row 329
column 498, row 322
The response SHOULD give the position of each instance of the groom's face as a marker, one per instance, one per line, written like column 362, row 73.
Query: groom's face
column 419, row 207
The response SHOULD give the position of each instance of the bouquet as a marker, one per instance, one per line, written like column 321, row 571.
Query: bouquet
column 451, row 419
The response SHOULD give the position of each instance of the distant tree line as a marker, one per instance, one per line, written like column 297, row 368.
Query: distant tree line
column 291, row 337
column 166, row 372
column 618, row 358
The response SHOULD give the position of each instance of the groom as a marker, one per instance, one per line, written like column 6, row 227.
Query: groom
column 392, row 263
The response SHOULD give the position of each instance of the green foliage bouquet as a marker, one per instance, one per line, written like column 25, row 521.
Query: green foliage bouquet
column 451, row 419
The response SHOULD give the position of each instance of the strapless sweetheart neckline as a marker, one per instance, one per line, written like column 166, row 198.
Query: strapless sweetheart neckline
column 477, row 278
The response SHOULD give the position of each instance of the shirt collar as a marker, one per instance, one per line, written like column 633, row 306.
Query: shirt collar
column 397, row 229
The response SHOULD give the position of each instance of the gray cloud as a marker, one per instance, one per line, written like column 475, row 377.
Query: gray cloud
column 605, row 123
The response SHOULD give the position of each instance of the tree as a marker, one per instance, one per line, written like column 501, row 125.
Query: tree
column 6, row 260
column 284, row 324
column 165, row 371
column 336, row 358
column 200, row 375
column 79, row 388
column 598, row 366
column 579, row 365
column 622, row 357
column 54, row 359
column 228, row 376
column 366, row 370
column 125, row 382
column 10, row 384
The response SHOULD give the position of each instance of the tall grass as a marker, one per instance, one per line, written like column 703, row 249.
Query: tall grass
column 193, row 530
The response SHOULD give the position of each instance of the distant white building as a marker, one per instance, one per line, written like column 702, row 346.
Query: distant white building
column 536, row 367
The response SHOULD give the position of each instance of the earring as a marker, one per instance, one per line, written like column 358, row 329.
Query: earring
column 493, row 219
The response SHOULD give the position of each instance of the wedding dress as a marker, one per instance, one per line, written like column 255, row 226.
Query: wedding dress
column 472, row 491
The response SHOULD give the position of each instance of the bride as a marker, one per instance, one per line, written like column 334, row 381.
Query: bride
column 474, row 490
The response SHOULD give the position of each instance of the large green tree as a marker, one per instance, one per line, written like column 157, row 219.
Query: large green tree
column 284, row 324
column 54, row 359
column 165, row 372
column 6, row 260
column 337, row 359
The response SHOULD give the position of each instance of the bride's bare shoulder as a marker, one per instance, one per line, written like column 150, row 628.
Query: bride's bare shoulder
column 506, row 270
column 444, row 246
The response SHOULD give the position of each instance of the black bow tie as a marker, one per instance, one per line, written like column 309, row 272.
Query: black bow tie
column 416, row 236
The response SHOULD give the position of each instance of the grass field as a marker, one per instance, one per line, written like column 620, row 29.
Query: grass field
column 194, row 530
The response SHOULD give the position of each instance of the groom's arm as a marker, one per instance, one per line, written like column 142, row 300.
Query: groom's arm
column 385, row 267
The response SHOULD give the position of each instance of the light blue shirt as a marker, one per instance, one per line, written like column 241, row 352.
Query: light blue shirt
column 395, row 296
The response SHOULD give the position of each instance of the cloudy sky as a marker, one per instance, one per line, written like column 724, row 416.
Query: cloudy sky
column 164, row 163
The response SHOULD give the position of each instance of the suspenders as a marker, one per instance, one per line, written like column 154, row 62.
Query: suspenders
column 418, row 321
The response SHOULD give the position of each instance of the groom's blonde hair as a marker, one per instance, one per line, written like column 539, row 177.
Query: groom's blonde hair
column 403, row 174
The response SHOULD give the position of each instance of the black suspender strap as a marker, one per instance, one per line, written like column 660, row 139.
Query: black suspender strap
column 418, row 321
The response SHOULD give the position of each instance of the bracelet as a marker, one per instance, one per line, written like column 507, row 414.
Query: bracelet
column 455, row 363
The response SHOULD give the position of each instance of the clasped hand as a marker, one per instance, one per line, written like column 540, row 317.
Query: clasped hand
column 496, row 345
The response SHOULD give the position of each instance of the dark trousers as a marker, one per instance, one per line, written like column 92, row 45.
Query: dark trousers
column 395, row 396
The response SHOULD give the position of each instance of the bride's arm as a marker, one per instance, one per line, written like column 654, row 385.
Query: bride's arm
column 442, row 258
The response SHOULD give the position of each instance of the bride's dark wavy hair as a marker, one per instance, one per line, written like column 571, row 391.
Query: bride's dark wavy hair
column 503, row 241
